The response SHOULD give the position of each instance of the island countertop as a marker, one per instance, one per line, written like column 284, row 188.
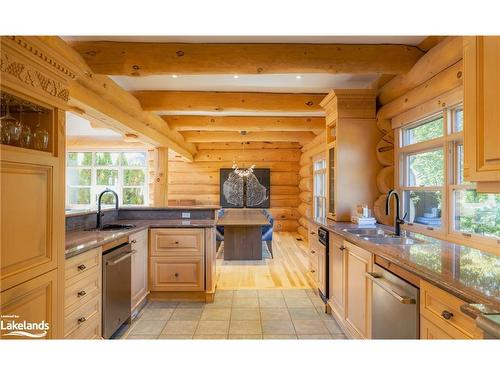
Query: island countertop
column 471, row 274
column 79, row 241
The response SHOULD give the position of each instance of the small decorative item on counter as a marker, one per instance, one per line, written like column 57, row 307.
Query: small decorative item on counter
column 40, row 136
column 362, row 216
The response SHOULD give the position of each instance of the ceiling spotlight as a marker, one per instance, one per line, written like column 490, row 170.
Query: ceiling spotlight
column 236, row 76
column 174, row 75
column 298, row 77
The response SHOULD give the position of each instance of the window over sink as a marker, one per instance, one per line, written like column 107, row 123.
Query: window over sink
column 88, row 173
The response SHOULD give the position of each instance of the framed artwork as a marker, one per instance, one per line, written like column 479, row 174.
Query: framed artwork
column 252, row 191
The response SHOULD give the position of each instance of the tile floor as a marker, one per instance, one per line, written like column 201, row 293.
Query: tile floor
column 238, row 314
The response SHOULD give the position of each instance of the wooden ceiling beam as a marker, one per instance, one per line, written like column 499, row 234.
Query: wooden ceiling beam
column 214, row 136
column 220, row 102
column 249, row 123
column 142, row 59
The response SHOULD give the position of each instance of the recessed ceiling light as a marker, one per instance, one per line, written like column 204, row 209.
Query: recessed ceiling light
column 298, row 77
column 174, row 75
column 236, row 77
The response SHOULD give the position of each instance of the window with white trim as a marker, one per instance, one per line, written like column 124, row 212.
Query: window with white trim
column 437, row 197
column 88, row 173
column 319, row 188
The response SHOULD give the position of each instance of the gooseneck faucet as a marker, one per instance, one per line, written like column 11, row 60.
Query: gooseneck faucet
column 398, row 220
column 99, row 211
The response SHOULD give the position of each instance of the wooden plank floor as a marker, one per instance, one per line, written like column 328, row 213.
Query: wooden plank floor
column 287, row 270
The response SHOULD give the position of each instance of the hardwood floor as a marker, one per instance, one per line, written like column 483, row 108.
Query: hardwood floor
column 287, row 270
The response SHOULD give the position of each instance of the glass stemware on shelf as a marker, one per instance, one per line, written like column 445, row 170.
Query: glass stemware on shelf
column 40, row 135
column 26, row 136
column 10, row 127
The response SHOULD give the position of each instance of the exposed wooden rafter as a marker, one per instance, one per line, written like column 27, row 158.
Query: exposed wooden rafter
column 220, row 102
column 141, row 59
column 260, row 136
column 249, row 123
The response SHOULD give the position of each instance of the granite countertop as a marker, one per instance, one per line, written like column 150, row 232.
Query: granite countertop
column 140, row 208
column 79, row 241
column 470, row 274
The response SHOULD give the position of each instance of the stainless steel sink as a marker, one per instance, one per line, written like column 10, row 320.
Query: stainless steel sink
column 110, row 227
column 392, row 240
column 368, row 232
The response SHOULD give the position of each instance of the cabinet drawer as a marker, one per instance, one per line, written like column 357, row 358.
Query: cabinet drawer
column 83, row 263
column 429, row 331
column 177, row 242
column 81, row 318
column 443, row 310
column 90, row 330
column 177, row 274
column 81, row 289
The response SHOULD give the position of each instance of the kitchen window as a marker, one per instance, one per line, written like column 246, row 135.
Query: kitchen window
column 319, row 188
column 438, row 199
column 88, row 173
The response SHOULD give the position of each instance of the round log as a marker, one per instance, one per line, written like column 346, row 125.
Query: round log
column 385, row 179
column 384, row 125
column 385, row 152
column 306, row 171
column 303, row 232
column 306, row 197
column 305, row 184
column 305, row 210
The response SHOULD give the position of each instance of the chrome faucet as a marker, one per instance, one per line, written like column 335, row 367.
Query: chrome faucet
column 398, row 221
column 99, row 212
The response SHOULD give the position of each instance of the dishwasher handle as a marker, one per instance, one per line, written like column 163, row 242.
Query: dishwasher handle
column 119, row 259
column 377, row 279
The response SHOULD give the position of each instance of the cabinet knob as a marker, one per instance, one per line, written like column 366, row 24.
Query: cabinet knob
column 447, row 314
column 81, row 320
column 81, row 267
column 81, row 293
column 312, row 271
column 133, row 241
column 313, row 252
column 176, row 242
column 342, row 247
column 176, row 274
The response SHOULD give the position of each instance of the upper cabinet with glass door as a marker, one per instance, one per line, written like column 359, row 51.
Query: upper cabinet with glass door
column 482, row 111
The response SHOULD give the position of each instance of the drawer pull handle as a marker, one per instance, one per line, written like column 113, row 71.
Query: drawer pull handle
column 81, row 293
column 447, row 315
column 342, row 248
column 81, row 267
column 312, row 271
column 133, row 241
column 81, row 320
column 176, row 274
column 176, row 242
column 313, row 252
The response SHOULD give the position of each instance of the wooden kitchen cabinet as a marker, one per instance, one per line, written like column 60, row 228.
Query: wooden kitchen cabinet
column 482, row 111
column 314, row 251
column 139, row 276
column 337, row 275
column 358, row 291
column 177, row 262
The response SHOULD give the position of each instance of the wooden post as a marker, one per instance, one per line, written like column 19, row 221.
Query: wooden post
column 160, row 177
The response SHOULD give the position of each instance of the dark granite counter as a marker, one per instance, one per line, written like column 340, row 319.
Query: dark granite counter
column 79, row 241
column 470, row 274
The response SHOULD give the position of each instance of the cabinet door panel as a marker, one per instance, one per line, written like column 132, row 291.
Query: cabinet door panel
column 173, row 242
column 177, row 274
column 139, row 281
column 337, row 275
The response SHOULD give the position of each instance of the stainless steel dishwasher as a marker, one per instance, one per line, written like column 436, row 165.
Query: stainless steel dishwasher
column 395, row 306
column 116, row 270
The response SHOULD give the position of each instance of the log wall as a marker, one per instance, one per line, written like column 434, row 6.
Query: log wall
column 200, row 180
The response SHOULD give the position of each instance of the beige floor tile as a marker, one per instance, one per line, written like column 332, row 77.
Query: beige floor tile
column 210, row 337
column 216, row 314
column 303, row 313
column 224, row 294
column 333, row 327
column 186, row 314
column 147, row 327
column 294, row 293
column 141, row 337
column 179, row 327
column 315, row 337
column 272, row 302
column 280, row 337
column 210, row 327
column 162, row 305
column 220, row 303
column 250, row 313
column 157, row 314
column 278, row 327
column 191, row 305
column 310, row 327
column 245, row 302
column 317, row 302
column 274, row 314
column 270, row 293
column 339, row 336
column 323, row 315
column 175, row 337
column 246, row 293
column 239, row 336
column 298, row 302
column 247, row 327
